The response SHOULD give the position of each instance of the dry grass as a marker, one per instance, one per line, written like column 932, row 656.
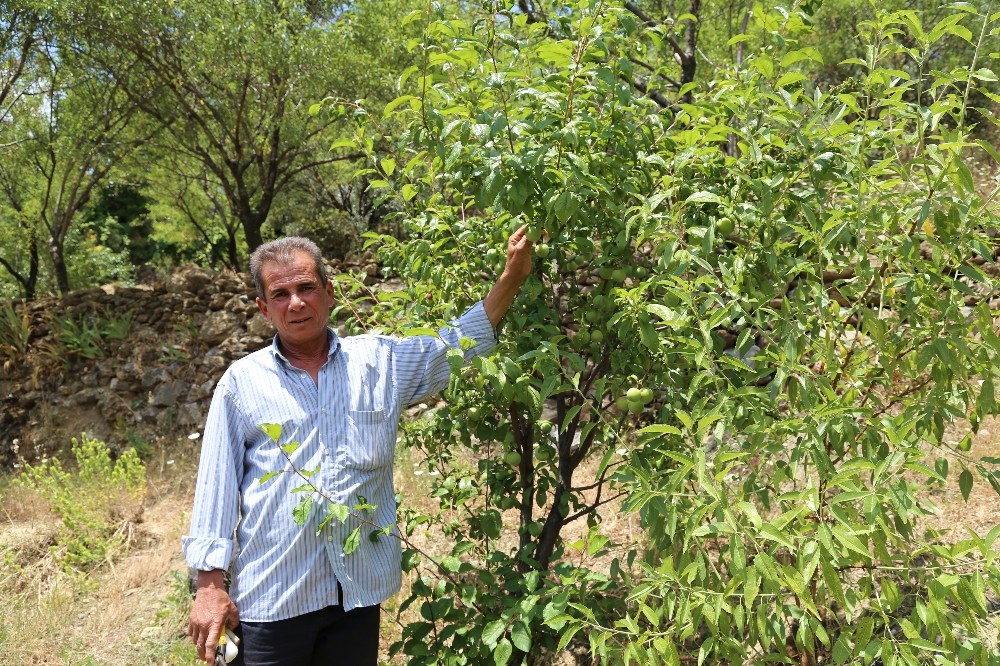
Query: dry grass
column 134, row 610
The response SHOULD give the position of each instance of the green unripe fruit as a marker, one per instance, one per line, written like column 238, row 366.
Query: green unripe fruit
column 621, row 402
column 512, row 458
column 597, row 337
column 544, row 452
column 635, row 407
column 534, row 529
column 646, row 395
column 583, row 336
column 618, row 275
column 633, row 394
column 724, row 227
column 542, row 250
column 534, row 234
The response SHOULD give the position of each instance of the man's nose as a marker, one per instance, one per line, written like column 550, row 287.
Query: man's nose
column 295, row 301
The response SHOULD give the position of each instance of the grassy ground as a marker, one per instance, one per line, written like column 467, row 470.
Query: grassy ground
column 133, row 608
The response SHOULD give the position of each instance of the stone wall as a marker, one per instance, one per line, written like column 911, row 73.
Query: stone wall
column 156, row 382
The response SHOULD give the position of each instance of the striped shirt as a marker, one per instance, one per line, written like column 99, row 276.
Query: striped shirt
column 345, row 425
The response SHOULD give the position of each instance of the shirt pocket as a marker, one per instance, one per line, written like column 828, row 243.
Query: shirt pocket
column 371, row 439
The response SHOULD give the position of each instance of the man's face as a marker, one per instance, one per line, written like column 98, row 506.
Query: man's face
column 297, row 304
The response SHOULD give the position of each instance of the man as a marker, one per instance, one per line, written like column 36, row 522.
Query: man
column 297, row 599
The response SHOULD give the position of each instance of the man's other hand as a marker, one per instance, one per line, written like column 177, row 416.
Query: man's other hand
column 211, row 613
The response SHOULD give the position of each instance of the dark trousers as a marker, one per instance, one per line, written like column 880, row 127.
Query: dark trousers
column 327, row 637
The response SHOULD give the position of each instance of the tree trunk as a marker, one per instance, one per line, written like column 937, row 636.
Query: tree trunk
column 57, row 254
column 232, row 247
column 252, row 222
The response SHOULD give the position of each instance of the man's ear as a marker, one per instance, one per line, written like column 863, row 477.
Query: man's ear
column 329, row 291
column 262, row 306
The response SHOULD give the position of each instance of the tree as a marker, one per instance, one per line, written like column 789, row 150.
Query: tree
column 83, row 132
column 232, row 83
column 20, row 38
column 759, row 354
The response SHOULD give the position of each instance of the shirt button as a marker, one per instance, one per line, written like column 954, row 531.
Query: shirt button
column 329, row 538
column 323, row 410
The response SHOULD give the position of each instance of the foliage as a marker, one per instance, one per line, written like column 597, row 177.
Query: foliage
column 90, row 262
column 83, row 335
column 15, row 332
column 755, row 319
column 98, row 503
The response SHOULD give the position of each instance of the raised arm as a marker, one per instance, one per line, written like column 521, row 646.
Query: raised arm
column 516, row 270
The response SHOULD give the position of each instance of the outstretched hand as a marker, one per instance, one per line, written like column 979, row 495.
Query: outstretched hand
column 515, row 272
column 519, row 254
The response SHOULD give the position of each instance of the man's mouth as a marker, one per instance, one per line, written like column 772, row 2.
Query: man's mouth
column 300, row 321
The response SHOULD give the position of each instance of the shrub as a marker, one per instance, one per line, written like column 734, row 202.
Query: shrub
column 758, row 349
column 15, row 331
column 98, row 503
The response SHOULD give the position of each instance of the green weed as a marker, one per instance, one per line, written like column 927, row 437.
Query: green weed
column 98, row 503
column 15, row 331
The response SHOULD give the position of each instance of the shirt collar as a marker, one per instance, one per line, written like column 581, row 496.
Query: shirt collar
column 331, row 336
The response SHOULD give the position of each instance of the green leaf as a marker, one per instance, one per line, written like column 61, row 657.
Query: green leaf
column 352, row 541
column 971, row 598
column 751, row 586
column 863, row 633
column 272, row 430
column 703, row 197
column 565, row 206
column 492, row 633
column 521, row 636
column 300, row 514
column 267, row 477
column 344, row 143
column 290, row 447
column 503, row 652
column 338, row 511
column 965, row 483
column 774, row 534
column 790, row 78
column 924, row 644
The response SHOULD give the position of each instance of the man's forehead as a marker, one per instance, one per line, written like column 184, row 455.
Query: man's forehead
column 298, row 268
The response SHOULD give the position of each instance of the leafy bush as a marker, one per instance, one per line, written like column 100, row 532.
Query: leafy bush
column 83, row 335
column 98, row 503
column 15, row 331
column 755, row 321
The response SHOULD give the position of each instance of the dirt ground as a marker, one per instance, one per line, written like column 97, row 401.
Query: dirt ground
column 134, row 611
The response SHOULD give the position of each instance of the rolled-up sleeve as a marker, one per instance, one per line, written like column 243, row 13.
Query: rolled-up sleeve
column 420, row 364
column 216, row 503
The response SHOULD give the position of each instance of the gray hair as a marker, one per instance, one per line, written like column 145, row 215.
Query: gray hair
column 283, row 251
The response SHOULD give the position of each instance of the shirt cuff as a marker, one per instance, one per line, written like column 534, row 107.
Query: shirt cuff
column 205, row 554
column 476, row 325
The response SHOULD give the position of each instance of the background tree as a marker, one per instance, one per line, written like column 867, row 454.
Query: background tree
column 232, row 83
column 84, row 131
column 20, row 40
